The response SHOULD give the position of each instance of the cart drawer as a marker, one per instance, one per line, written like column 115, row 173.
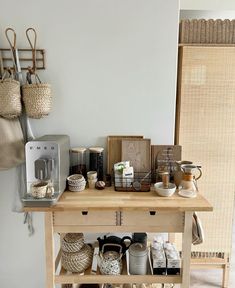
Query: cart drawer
column 168, row 220
column 86, row 218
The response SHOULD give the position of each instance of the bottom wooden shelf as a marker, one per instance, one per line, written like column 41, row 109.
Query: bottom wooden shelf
column 65, row 277
column 73, row 278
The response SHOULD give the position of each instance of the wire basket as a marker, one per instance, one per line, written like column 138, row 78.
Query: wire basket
column 141, row 182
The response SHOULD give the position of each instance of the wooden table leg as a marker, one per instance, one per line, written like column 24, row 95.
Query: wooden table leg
column 49, row 245
column 186, row 249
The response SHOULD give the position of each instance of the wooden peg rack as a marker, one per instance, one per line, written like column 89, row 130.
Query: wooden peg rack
column 25, row 57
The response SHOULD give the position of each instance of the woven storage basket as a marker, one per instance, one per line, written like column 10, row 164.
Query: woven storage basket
column 10, row 98
column 72, row 242
column 37, row 99
column 79, row 261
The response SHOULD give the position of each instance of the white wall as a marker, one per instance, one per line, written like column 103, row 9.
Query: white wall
column 112, row 64
column 207, row 4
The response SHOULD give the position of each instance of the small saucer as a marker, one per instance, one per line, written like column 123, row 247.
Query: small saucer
column 187, row 193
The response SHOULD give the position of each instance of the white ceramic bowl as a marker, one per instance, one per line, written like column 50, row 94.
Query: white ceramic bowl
column 164, row 192
column 75, row 179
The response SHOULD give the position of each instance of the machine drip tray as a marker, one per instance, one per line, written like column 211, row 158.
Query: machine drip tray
column 30, row 201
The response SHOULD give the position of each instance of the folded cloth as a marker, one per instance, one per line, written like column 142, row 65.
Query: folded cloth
column 197, row 230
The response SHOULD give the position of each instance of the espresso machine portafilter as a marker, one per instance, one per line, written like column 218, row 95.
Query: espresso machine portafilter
column 47, row 159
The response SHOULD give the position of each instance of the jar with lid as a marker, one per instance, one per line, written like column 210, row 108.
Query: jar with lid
column 96, row 161
column 78, row 161
column 138, row 259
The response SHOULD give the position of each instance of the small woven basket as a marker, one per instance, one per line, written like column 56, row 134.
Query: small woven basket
column 77, row 262
column 37, row 99
column 72, row 242
column 10, row 98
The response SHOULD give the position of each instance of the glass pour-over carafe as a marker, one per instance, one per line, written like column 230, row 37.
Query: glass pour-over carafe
column 189, row 180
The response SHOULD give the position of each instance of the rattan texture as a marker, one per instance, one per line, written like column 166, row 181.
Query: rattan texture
column 37, row 99
column 72, row 242
column 206, row 133
column 207, row 31
column 77, row 262
column 10, row 98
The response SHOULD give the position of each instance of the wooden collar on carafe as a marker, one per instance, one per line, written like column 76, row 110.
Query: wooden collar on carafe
column 188, row 177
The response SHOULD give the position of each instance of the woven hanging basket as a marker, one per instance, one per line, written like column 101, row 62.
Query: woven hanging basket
column 77, row 262
column 10, row 98
column 72, row 242
column 37, row 99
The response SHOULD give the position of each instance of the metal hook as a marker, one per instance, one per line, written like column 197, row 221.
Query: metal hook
column 32, row 45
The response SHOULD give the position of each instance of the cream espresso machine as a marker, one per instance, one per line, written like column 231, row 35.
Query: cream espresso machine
column 47, row 159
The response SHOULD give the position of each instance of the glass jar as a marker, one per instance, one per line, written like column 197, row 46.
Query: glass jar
column 78, row 161
column 96, row 161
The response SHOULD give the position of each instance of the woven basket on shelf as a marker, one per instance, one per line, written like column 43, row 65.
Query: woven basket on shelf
column 72, row 242
column 10, row 98
column 37, row 99
column 79, row 261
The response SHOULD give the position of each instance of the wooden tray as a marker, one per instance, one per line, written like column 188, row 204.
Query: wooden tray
column 175, row 155
column 138, row 152
column 114, row 145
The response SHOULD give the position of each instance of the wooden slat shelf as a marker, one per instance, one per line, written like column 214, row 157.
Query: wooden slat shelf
column 65, row 277
column 25, row 56
column 122, row 279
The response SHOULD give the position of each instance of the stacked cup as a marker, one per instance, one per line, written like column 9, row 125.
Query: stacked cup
column 76, row 182
column 92, row 178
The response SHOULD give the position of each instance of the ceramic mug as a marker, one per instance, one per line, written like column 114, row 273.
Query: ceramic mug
column 41, row 189
column 91, row 175
column 91, row 183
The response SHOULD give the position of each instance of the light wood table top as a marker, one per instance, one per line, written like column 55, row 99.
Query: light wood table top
column 108, row 199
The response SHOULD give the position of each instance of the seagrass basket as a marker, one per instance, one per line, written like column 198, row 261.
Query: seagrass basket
column 72, row 242
column 10, row 98
column 37, row 99
column 77, row 262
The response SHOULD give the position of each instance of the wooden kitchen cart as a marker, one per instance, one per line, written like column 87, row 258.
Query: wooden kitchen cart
column 111, row 211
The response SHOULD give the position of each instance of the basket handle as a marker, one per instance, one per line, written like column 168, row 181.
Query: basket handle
column 12, row 43
column 32, row 45
column 9, row 71
column 29, row 76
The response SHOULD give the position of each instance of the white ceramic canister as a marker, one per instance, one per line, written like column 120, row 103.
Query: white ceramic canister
column 138, row 259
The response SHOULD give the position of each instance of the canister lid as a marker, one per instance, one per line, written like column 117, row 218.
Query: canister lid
column 78, row 149
column 96, row 149
column 138, row 249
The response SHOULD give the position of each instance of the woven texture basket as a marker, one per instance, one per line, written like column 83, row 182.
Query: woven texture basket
column 72, row 242
column 10, row 98
column 37, row 99
column 79, row 261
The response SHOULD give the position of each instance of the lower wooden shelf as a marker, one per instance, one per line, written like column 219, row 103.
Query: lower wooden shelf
column 65, row 277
